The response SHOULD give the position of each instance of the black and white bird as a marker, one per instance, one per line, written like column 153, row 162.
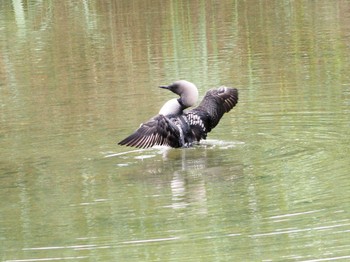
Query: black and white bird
column 175, row 127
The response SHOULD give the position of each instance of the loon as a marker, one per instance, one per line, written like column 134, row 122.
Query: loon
column 175, row 127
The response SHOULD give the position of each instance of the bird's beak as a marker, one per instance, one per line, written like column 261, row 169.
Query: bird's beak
column 164, row 87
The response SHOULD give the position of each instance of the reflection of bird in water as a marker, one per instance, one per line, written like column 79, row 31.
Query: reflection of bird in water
column 177, row 128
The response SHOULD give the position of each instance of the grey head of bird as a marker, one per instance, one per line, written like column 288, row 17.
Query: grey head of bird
column 187, row 91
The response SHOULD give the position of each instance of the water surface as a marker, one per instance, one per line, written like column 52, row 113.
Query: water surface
column 270, row 183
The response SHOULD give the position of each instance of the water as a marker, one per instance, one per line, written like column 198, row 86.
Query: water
column 270, row 183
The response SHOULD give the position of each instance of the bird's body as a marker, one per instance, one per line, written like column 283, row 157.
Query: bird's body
column 175, row 127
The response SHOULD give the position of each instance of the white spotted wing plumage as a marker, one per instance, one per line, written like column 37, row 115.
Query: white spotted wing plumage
column 207, row 115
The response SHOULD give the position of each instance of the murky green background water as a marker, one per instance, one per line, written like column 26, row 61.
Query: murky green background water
column 271, row 183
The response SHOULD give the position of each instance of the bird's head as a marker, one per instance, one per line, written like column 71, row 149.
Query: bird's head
column 187, row 91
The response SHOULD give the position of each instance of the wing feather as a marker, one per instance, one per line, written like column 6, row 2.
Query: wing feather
column 157, row 131
column 207, row 115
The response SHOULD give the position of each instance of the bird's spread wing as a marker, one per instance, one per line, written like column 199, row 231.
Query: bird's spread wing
column 157, row 131
column 207, row 115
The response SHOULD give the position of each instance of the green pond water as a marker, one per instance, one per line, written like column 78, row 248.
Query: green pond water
column 271, row 183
